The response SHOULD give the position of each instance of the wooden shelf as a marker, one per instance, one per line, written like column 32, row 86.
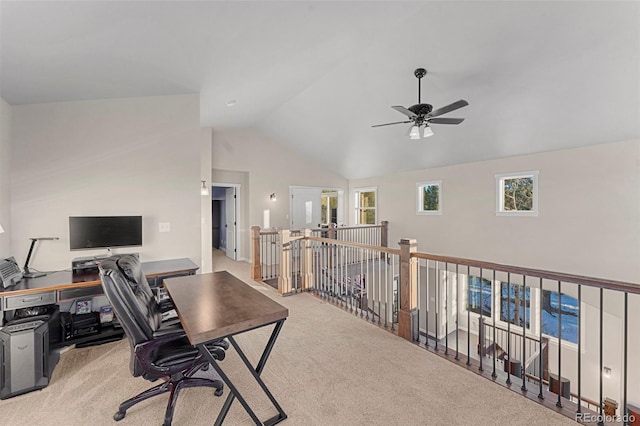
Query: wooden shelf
column 108, row 333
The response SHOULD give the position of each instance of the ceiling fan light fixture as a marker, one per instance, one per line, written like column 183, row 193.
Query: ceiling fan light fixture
column 427, row 131
column 415, row 132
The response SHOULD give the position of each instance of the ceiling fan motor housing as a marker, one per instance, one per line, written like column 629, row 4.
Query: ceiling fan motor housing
column 421, row 109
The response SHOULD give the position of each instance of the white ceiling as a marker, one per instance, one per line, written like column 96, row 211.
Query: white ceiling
column 315, row 76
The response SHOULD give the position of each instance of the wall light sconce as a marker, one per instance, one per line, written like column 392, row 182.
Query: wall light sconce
column 1, row 229
column 607, row 372
column 272, row 197
column 204, row 190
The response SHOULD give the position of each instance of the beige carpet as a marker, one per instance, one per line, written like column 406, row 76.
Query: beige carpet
column 327, row 368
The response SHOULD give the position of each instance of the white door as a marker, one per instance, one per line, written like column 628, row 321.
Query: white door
column 232, row 222
column 306, row 209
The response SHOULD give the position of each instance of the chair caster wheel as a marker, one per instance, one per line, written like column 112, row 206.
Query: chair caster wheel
column 218, row 392
column 119, row 416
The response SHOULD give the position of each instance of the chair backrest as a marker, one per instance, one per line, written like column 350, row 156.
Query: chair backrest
column 138, row 313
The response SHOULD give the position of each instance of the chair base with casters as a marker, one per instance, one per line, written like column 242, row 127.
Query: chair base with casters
column 177, row 381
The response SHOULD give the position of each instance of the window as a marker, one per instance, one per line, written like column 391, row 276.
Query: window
column 515, row 304
column 365, row 203
column 480, row 296
column 568, row 307
column 517, row 194
column 430, row 197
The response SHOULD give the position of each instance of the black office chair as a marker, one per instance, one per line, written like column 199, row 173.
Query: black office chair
column 158, row 351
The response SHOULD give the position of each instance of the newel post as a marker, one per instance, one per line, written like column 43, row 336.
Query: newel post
column 384, row 233
column 332, row 231
column 407, row 315
column 284, row 279
column 307, row 261
column 256, row 264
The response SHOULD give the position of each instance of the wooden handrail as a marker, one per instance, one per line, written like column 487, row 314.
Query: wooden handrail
column 534, row 355
column 499, row 327
column 538, row 273
column 342, row 228
column 355, row 245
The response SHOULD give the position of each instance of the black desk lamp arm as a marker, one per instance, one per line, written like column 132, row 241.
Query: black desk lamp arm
column 26, row 262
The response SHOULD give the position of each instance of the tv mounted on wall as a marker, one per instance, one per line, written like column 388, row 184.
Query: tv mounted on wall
column 91, row 232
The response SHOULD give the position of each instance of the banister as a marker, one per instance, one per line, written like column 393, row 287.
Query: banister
column 538, row 273
column 499, row 327
column 534, row 355
column 355, row 245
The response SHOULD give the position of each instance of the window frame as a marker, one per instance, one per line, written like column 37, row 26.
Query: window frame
column 357, row 208
column 500, row 178
column 526, row 296
column 483, row 282
column 420, row 198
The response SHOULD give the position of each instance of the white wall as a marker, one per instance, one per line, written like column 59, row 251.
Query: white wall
column 136, row 156
column 271, row 168
column 205, row 200
column 5, row 178
column 589, row 220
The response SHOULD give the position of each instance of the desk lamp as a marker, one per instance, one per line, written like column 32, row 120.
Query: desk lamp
column 27, row 273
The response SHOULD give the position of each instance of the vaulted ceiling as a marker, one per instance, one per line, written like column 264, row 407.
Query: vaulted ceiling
column 315, row 76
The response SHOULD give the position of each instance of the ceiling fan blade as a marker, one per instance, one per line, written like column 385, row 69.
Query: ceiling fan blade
column 451, row 107
column 404, row 111
column 389, row 124
column 445, row 120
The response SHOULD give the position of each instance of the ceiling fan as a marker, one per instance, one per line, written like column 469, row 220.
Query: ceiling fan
column 421, row 115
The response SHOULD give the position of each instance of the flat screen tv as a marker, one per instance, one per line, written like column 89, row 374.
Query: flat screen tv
column 91, row 232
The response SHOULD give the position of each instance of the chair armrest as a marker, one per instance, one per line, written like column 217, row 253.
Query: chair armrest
column 168, row 329
column 144, row 353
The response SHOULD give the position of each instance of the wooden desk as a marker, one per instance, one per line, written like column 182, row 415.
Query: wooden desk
column 218, row 305
column 64, row 285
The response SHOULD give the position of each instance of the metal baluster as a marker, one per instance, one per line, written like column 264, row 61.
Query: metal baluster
column 391, row 303
column 437, row 304
column 559, row 403
column 493, row 318
column 625, row 411
column 378, row 296
column 418, row 298
column 523, row 357
column 481, row 327
column 468, row 317
column 509, row 328
column 264, row 258
column 579, row 409
column 343, row 282
column 426, row 316
column 540, row 358
column 386, row 274
column 457, row 312
column 386, row 291
column 446, row 309
column 601, row 354
column 363, row 290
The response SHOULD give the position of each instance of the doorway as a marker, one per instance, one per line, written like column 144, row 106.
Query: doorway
column 313, row 207
column 225, row 208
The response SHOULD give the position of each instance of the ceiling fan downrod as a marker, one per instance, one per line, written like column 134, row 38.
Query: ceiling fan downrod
column 419, row 73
